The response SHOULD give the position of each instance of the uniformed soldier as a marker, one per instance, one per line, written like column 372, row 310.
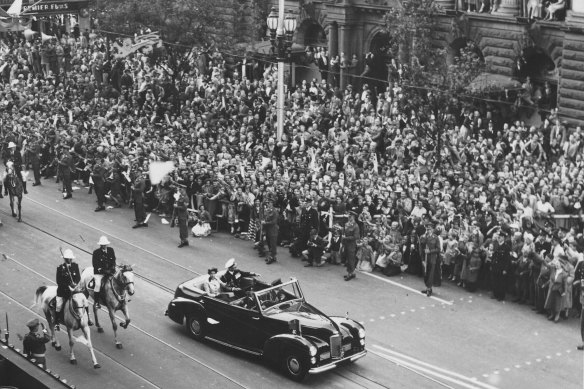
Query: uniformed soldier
column 66, row 166
column 34, row 157
column 15, row 157
column 68, row 276
column 431, row 251
column 103, row 261
column 138, row 195
column 270, row 225
column 33, row 343
column 98, row 174
column 182, row 215
column 500, row 265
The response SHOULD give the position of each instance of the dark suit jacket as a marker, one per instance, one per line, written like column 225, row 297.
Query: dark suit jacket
column 67, row 276
column 103, row 262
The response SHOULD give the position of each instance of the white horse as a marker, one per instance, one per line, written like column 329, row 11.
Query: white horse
column 115, row 291
column 75, row 317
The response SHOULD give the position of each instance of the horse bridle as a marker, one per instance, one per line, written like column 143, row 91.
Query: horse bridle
column 73, row 308
column 121, row 297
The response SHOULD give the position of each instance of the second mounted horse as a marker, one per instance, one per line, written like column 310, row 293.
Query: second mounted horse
column 114, row 295
column 14, row 188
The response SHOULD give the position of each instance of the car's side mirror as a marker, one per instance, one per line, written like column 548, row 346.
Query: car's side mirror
column 294, row 326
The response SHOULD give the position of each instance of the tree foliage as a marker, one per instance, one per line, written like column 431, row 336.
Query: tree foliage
column 189, row 22
column 434, row 86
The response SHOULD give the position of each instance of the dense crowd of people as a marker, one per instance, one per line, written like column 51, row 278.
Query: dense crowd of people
column 74, row 111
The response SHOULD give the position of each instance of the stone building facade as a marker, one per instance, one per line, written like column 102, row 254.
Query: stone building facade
column 504, row 37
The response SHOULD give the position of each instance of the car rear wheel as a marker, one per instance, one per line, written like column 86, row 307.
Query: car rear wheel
column 295, row 366
column 195, row 326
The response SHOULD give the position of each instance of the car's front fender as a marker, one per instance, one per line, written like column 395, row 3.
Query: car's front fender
column 277, row 345
column 180, row 307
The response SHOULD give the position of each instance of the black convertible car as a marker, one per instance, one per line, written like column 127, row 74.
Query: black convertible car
column 272, row 321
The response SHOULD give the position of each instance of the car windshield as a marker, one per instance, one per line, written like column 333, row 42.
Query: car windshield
column 279, row 296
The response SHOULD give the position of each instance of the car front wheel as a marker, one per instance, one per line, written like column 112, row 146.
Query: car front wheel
column 196, row 326
column 295, row 366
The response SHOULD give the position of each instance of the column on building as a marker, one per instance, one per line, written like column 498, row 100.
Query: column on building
column 343, row 48
column 509, row 8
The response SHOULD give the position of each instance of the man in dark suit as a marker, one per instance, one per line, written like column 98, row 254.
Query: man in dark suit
column 34, row 157
column 500, row 265
column 98, row 176
column 68, row 276
column 182, row 215
column 66, row 166
column 104, row 265
column 308, row 220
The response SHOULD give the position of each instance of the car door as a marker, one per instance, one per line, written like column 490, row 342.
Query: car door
column 219, row 324
column 250, row 330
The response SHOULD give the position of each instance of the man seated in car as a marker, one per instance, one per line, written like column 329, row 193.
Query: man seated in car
column 247, row 302
column 233, row 276
column 215, row 287
column 275, row 297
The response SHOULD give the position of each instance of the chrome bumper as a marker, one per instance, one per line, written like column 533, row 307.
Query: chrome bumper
column 332, row 365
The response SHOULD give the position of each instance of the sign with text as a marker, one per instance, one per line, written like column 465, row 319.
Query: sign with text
column 52, row 7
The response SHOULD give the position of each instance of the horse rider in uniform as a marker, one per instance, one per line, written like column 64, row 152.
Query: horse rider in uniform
column 104, row 264
column 182, row 215
column 68, row 277
column 16, row 159
column 66, row 165
column 271, row 229
column 33, row 343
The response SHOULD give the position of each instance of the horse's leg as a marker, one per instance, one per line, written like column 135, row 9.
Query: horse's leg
column 87, row 335
column 126, row 315
column 112, row 316
column 12, row 205
column 19, row 208
column 72, row 359
column 54, row 340
column 97, row 325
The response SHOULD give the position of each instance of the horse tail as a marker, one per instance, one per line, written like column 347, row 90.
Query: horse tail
column 38, row 294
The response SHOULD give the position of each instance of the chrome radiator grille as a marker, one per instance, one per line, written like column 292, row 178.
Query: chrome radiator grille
column 336, row 346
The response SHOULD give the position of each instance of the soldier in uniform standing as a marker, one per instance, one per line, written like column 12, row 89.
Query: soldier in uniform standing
column 68, row 276
column 15, row 157
column 270, row 225
column 103, row 261
column 500, row 264
column 34, row 156
column 350, row 238
column 138, row 197
column 98, row 176
column 182, row 215
column 66, row 165
column 431, row 250
column 33, row 344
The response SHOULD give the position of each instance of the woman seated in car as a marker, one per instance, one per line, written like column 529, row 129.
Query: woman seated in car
column 214, row 286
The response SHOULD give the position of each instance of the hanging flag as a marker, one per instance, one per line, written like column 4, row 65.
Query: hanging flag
column 158, row 170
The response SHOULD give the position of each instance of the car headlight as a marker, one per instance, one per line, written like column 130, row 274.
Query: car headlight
column 313, row 350
column 361, row 333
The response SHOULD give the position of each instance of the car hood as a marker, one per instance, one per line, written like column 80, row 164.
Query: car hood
column 312, row 321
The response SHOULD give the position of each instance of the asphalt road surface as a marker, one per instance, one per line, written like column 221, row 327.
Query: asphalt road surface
column 452, row 340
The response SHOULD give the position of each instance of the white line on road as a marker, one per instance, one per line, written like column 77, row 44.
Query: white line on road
column 432, row 369
column 406, row 288
column 471, row 384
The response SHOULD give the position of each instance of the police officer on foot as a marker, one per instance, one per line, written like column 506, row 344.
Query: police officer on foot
column 68, row 277
column 104, row 265
column 33, row 344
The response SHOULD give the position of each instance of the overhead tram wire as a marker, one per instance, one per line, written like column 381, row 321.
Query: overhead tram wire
column 366, row 78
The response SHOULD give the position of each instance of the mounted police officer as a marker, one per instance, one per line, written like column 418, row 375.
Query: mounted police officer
column 68, row 277
column 15, row 157
column 104, row 264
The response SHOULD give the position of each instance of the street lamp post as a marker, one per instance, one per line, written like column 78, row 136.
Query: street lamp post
column 281, row 32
